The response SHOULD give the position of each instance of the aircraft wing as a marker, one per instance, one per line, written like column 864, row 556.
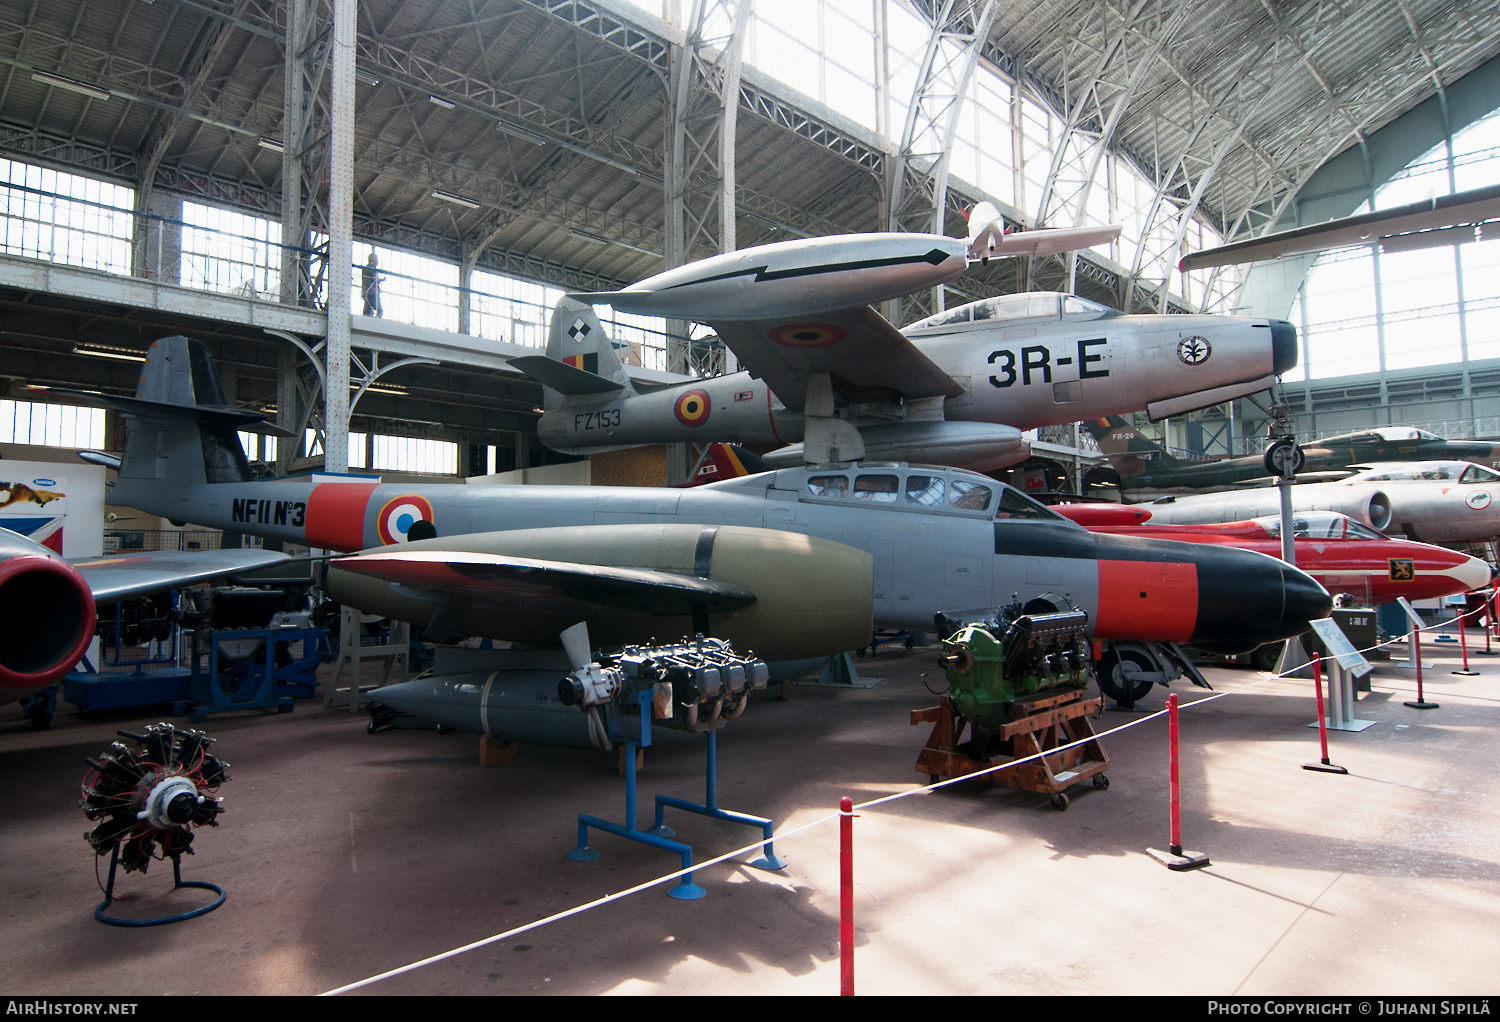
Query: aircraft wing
column 1440, row 221
column 1054, row 241
column 857, row 345
column 497, row 579
column 113, row 579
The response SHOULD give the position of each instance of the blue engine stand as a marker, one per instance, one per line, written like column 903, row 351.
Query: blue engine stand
column 658, row 835
column 177, row 881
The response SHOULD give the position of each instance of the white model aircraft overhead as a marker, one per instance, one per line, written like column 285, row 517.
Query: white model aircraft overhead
column 827, row 376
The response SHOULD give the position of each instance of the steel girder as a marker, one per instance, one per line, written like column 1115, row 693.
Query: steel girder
column 917, row 183
column 1077, row 157
column 305, row 149
column 704, row 103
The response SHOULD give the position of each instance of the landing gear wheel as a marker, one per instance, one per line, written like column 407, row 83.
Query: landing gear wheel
column 1112, row 680
column 1101, row 782
column 1263, row 658
column 1060, row 802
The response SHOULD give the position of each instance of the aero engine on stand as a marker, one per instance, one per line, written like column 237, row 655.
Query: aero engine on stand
column 149, row 798
column 1021, row 698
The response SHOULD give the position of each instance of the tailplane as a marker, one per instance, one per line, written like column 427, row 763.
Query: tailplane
column 581, row 358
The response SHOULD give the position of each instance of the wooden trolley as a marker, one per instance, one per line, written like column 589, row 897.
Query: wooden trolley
column 1038, row 724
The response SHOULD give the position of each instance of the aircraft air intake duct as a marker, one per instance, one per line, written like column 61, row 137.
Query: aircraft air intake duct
column 49, row 616
column 1283, row 346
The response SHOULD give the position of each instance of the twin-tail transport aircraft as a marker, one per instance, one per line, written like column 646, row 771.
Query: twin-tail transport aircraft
column 792, row 563
column 830, row 379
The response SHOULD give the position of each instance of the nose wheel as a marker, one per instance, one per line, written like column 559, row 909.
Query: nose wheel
column 1115, row 676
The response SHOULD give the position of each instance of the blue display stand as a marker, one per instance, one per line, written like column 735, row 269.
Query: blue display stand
column 658, row 836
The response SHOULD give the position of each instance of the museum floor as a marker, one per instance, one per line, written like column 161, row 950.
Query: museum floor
column 346, row 854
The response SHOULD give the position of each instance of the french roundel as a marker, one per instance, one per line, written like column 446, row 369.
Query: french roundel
column 400, row 514
column 807, row 335
column 692, row 408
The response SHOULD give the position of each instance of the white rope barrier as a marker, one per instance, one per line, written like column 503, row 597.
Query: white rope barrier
column 783, row 835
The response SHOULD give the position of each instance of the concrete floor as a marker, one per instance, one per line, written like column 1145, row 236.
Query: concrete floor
column 347, row 854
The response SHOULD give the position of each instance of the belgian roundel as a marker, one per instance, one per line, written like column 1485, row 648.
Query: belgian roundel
column 807, row 335
column 692, row 408
column 400, row 514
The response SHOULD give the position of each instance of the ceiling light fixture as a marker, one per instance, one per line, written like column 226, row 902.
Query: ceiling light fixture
column 72, row 85
column 446, row 104
column 364, row 77
column 524, row 134
column 457, row 200
column 121, row 354
column 272, row 144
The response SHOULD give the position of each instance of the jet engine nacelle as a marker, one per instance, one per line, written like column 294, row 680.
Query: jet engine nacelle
column 982, row 446
column 813, row 596
column 1367, row 505
column 49, row 615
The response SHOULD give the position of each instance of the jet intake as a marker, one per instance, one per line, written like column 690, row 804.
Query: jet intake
column 49, row 616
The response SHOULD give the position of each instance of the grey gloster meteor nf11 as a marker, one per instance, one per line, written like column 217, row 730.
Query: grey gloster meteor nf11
column 828, row 377
column 791, row 563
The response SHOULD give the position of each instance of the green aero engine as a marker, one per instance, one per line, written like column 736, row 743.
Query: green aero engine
column 1037, row 654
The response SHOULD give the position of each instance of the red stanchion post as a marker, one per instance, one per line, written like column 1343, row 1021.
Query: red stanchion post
column 1463, row 643
column 846, row 897
column 1323, row 765
column 1421, row 702
column 1175, row 773
column 1174, row 858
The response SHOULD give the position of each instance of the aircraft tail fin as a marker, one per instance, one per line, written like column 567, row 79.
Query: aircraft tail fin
column 179, row 428
column 1127, row 450
column 577, row 339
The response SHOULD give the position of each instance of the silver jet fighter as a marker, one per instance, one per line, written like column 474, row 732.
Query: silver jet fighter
column 800, row 559
column 1427, row 501
column 829, row 378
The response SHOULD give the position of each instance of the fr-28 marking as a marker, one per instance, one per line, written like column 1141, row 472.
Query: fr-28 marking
column 605, row 419
column 1036, row 356
column 268, row 512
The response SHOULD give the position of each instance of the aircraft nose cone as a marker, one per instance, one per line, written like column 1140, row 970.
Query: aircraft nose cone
column 1283, row 346
column 1305, row 601
column 1246, row 599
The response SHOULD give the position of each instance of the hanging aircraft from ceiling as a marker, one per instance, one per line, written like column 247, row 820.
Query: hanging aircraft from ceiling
column 830, row 379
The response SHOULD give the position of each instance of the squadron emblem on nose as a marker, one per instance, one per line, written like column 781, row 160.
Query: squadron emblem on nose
column 1194, row 351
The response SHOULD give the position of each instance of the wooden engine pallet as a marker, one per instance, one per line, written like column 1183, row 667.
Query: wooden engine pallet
column 1037, row 724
